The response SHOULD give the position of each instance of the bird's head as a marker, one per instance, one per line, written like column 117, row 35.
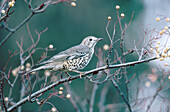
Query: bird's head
column 90, row 41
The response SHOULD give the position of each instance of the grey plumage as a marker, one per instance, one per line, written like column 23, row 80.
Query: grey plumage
column 74, row 58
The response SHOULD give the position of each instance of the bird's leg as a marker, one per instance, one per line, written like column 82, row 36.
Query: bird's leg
column 81, row 73
column 61, row 76
column 69, row 76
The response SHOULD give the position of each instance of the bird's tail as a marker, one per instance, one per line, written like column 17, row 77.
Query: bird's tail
column 36, row 69
column 51, row 66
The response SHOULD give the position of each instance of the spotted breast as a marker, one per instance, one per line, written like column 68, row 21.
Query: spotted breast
column 78, row 63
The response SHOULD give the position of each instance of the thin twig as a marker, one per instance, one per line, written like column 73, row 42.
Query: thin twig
column 157, row 93
column 95, row 86
column 102, row 97
column 121, row 93
column 15, row 29
column 37, row 10
column 2, row 95
column 72, row 97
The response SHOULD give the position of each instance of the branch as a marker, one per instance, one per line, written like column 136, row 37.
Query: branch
column 15, row 29
column 92, row 100
column 160, row 87
column 43, row 90
column 121, row 93
column 2, row 95
column 39, row 9
column 72, row 100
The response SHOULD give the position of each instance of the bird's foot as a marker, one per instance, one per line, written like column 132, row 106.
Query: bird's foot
column 69, row 76
column 81, row 73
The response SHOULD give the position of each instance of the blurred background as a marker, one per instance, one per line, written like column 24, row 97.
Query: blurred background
column 67, row 26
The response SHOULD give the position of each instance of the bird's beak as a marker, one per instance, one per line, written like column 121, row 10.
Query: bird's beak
column 99, row 39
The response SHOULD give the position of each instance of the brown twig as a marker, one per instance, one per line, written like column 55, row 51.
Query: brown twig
column 37, row 10
column 160, row 87
column 121, row 93
column 2, row 95
column 72, row 97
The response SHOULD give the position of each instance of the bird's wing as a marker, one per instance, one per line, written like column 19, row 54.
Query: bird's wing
column 71, row 53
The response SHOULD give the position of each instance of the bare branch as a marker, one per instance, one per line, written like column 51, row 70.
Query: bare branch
column 37, row 10
column 76, row 77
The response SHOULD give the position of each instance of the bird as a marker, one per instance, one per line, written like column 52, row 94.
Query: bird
column 72, row 59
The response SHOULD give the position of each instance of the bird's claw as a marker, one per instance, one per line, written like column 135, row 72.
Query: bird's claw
column 81, row 73
column 69, row 77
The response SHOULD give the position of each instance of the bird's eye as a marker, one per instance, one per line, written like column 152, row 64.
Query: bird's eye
column 90, row 39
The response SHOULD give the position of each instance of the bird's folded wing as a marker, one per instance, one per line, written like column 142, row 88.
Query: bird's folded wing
column 72, row 53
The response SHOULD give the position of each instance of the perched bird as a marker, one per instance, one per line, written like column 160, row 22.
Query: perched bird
column 72, row 59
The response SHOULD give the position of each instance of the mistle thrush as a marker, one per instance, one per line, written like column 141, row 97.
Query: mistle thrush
column 72, row 59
